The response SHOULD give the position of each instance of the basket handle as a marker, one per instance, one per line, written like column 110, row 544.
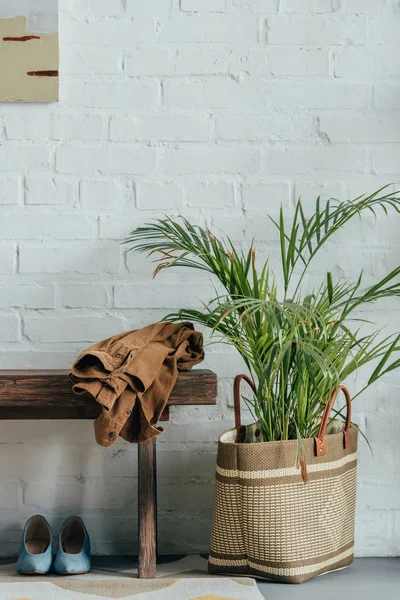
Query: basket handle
column 236, row 403
column 320, row 440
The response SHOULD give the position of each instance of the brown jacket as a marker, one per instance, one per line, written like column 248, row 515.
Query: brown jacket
column 132, row 374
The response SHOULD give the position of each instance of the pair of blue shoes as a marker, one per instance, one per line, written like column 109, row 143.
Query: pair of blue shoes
column 36, row 556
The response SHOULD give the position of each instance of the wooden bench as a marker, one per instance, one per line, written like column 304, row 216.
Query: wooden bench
column 48, row 395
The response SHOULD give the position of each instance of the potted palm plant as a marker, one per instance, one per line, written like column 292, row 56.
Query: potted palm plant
column 299, row 345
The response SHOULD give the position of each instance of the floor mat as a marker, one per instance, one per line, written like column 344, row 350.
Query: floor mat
column 184, row 579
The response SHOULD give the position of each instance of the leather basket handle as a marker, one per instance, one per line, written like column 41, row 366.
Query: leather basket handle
column 236, row 404
column 320, row 440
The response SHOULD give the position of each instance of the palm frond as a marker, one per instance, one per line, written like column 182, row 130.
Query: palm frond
column 300, row 346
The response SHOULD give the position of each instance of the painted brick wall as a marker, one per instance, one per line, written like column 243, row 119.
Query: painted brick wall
column 221, row 109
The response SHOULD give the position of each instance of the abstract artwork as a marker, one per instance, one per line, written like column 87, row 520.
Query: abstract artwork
column 29, row 50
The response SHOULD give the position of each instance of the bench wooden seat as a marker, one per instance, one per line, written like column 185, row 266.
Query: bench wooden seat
column 45, row 394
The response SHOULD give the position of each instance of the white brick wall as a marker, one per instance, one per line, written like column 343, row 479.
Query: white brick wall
column 220, row 109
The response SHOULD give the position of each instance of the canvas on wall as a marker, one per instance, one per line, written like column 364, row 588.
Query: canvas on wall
column 29, row 50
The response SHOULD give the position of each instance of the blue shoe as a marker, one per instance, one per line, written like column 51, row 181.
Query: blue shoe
column 73, row 554
column 35, row 553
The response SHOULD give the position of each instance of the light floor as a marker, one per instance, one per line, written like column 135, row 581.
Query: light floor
column 365, row 579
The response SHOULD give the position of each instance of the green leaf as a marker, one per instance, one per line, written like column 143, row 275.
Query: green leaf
column 300, row 344
column 330, row 287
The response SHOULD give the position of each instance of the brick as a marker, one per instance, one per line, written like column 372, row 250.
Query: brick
column 210, row 195
column 360, row 62
column 358, row 188
column 104, row 194
column 115, row 228
column 215, row 160
column 80, row 127
column 315, row 30
column 216, row 93
column 386, row 31
column 182, row 433
column 94, row 6
column 386, row 161
column 172, row 128
column 257, row 6
column 170, row 530
column 272, row 127
column 10, row 190
column 111, row 95
column 203, row 5
column 298, row 61
column 7, row 258
column 39, row 460
column 8, row 494
column 201, row 61
column 373, row 529
column 198, row 61
column 16, row 158
column 308, row 6
column 63, row 328
column 105, row 160
column 26, row 296
column 73, row 259
column 33, row 226
column 371, row 464
column 150, row 61
column 8, row 468
column 369, row 128
column 265, row 194
column 199, row 495
column 210, row 29
column 150, row 7
column 118, row 462
column 316, row 95
column 199, row 464
column 387, row 97
column 154, row 294
column 48, row 191
column 34, row 359
column 381, row 400
column 187, row 415
column 346, row 265
column 51, row 430
column 74, row 494
column 310, row 190
column 361, row 6
column 247, row 62
column 229, row 361
column 322, row 159
column 9, row 327
column 91, row 60
column 378, row 493
column 158, row 195
column 29, row 126
column 258, row 226
column 83, row 295
column 107, row 29
column 232, row 223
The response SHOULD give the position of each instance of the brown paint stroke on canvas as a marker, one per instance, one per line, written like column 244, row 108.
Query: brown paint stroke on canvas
column 23, row 38
column 17, row 58
column 43, row 73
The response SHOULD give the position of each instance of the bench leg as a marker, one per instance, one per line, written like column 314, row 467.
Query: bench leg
column 147, row 509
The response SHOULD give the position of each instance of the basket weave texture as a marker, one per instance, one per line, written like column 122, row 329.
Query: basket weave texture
column 268, row 523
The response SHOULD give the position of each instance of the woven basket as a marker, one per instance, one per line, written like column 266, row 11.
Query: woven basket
column 269, row 523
